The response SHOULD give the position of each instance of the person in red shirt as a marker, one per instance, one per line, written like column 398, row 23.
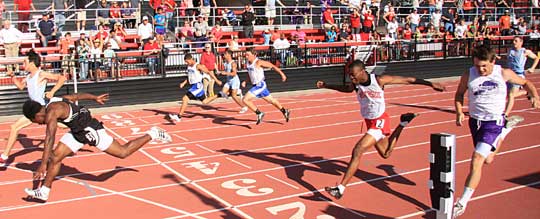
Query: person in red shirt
column 328, row 20
column 504, row 24
column 151, row 49
column 101, row 34
column 355, row 25
column 155, row 4
column 208, row 59
column 23, row 9
column 217, row 32
column 407, row 32
column 369, row 20
column 114, row 13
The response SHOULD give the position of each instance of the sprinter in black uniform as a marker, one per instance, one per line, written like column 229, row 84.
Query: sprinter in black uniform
column 84, row 129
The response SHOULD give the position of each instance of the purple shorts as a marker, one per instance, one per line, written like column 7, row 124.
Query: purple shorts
column 160, row 30
column 488, row 132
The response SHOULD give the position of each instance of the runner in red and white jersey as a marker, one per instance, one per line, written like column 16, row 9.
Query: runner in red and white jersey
column 370, row 94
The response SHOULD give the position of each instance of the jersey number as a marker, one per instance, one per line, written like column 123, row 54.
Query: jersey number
column 379, row 123
column 91, row 135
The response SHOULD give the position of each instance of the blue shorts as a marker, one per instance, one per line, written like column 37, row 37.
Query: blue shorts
column 160, row 30
column 488, row 132
column 196, row 92
column 259, row 90
column 233, row 84
column 515, row 86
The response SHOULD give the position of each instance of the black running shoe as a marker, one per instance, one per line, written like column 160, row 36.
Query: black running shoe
column 408, row 117
column 334, row 192
column 287, row 115
column 260, row 117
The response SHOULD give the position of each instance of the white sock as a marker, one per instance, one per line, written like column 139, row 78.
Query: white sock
column 4, row 156
column 341, row 188
column 467, row 194
column 404, row 123
column 505, row 132
column 45, row 189
column 152, row 133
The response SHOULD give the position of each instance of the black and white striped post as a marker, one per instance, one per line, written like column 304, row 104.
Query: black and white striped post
column 442, row 159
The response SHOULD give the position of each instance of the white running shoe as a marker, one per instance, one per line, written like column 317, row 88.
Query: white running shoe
column 175, row 117
column 459, row 209
column 512, row 121
column 38, row 193
column 157, row 133
column 3, row 160
column 243, row 110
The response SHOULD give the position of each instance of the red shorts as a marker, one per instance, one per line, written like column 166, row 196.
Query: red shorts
column 382, row 123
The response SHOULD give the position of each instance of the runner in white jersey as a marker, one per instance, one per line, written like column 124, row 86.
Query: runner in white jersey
column 516, row 59
column 486, row 83
column 233, row 82
column 370, row 94
column 35, row 82
column 255, row 70
column 196, row 92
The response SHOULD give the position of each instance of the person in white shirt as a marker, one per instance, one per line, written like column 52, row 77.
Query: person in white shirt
column 414, row 20
column 436, row 19
column 145, row 31
column 461, row 29
column 392, row 27
column 11, row 38
column 281, row 47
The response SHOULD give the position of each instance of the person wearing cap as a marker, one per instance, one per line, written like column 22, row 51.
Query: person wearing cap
column 299, row 35
column 145, row 31
column 151, row 49
column 95, row 58
column 208, row 59
column 201, row 25
column 505, row 24
column 46, row 30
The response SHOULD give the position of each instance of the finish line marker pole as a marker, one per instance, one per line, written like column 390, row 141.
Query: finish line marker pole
column 442, row 159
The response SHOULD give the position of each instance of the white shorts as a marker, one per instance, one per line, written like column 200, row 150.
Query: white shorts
column 376, row 134
column 233, row 84
column 103, row 141
column 270, row 12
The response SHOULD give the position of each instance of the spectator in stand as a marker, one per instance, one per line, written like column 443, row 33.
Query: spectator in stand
column 504, row 24
column 355, row 24
column 414, row 19
column 281, row 48
column 233, row 44
column 432, row 33
column 275, row 34
column 502, row 6
column 136, row 6
column 307, row 12
column 46, row 30
column 392, row 28
column 170, row 5
column 160, row 20
column 208, row 59
column 186, row 30
column 418, row 34
column 369, row 22
column 270, row 10
column 328, row 20
column 11, row 38
column 114, row 41
column 407, row 32
column 151, row 50
column 459, row 8
column 482, row 21
column 468, row 9
column 145, row 31
column 229, row 18
column 522, row 28
column 439, row 5
column 128, row 15
column 299, row 35
column 65, row 44
column 80, row 6
column 461, row 29
column 472, row 30
column 331, row 35
column 95, row 58
column 155, row 4
column 248, row 17
column 390, row 15
column 344, row 35
column 266, row 37
column 436, row 19
column 59, row 8
column 182, row 8
column 101, row 34
column 199, row 39
column 201, row 25
column 217, row 33
column 479, row 5
column 83, row 50
column 102, row 13
column 535, row 34
column 110, row 61
column 114, row 14
column 22, row 7
column 206, row 8
column 449, row 20
column 432, row 6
